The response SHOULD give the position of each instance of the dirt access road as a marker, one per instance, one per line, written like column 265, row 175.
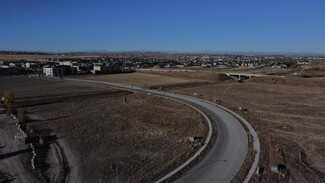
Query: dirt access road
column 14, row 158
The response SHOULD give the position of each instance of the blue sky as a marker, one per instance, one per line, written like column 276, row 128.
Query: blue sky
column 163, row 25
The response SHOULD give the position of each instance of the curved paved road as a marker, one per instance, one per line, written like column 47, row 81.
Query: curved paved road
column 228, row 153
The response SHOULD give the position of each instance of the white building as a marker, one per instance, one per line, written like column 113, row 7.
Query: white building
column 49, row 71
column 97, row 69
column 66, row 63
column 27, row 64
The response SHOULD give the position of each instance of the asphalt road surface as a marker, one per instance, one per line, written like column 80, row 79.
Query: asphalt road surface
column 228, row 153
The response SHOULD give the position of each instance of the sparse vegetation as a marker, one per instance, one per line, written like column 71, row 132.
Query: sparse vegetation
column 100, row 126
column 315, row 69
column 318, row 65
column 287, row 113
column 21, row 116
column 29, row 129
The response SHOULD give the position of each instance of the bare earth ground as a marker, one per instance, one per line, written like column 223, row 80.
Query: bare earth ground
column 287, row 112
column 257, row 70
column 97, row 127
column 288, row 115
column 143, row 79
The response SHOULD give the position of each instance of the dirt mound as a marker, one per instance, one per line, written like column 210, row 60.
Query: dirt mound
column 195, row 77
column 315, row 69
column 222, row 77
column 289, row 80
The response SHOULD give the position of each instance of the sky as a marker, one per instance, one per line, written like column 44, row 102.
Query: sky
column 290, row 26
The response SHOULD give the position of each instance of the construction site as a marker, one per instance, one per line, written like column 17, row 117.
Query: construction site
column 102, row 133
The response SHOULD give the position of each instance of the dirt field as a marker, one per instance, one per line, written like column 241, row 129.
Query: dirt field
column 98, row 127
column 288, row 114
column 143, row 79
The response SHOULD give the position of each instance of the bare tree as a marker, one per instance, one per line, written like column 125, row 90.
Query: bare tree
column 9, row 98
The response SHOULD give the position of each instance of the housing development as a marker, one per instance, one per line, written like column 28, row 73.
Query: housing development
column 105, row 63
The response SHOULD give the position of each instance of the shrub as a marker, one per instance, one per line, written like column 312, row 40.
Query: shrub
column 21, row 115
column 41, row 140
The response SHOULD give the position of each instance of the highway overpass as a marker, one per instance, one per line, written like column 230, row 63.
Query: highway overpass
column 242, row 76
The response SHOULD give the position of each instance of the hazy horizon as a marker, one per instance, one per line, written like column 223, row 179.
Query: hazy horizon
column 172, row 52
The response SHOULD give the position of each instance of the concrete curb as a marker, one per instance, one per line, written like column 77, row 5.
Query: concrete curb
column 256, row 142
column 207, row 140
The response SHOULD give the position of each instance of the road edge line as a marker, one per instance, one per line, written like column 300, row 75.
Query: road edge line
column 256, row 141
column 206, row 142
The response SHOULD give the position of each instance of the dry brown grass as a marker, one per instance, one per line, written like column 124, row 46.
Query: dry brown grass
column 103, row 126
column 316, row 69
column 142, row 79
column 288, row 114
column 317, row 66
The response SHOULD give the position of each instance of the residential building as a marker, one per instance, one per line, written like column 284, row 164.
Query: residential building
column 53, row 71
